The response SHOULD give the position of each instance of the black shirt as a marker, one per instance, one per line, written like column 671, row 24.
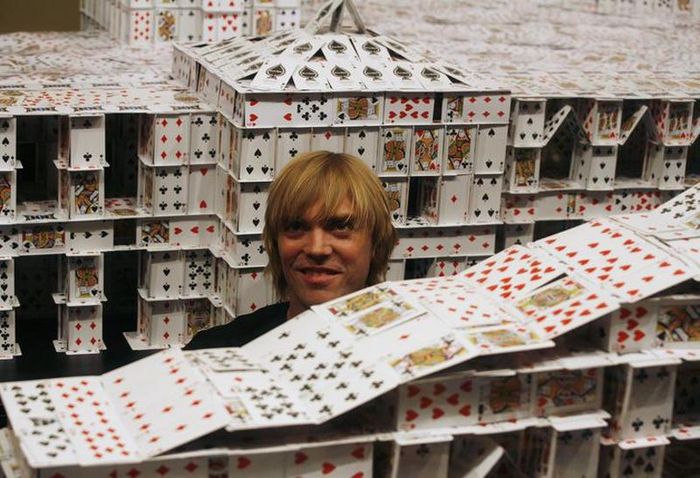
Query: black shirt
column 241, row 330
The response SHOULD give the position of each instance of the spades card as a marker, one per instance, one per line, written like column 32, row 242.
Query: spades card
column 8, row 145
column 528, row 123
column 257, row 155
column 490, row 149
column 485, row 197
column 163, row 274
column 363, row 143
column 395, row 154
column 8, row 196
column 396, row 192
column 41, row 238
column 87, row 193
column 358, row 110
column 251, row 200
column 90, row 236
column 85, row 279
column 460, row 146
column 9, row 241
column 523, row 169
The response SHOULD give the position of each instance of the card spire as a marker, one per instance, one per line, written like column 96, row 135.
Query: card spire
column 332, row 12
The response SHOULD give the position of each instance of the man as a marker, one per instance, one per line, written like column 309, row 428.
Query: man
column 327, row 232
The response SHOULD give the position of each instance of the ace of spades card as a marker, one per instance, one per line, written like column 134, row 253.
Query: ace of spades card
column 8, row 143
column 428, row 144
column 363, row 143
column 257, row 155
column 87, row 142
column 460, row 146
column 203, row 138
column 171, row 137
column 358, row 110
column 85, row 282
column 169, row 190
column 290, row 144
column 395, row 155
column 163, row 274
column 87, row 193
column 82, row 328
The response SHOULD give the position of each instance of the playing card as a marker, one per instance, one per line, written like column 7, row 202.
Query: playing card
column 290, row 144
column 460, row 146
column 503, row 398
column 395, row 152
column 90, row 236
column 169, row 190
column 487, row 108
column 327, row 139
column 439, row 402
column 203, row 138
column 427, row 151
column 352, row 460
column 87, row 193
column 87, row 142
column 490, row 149
column 363, row 143
column 163, row 274
column 565, row 391
column 184, row 409
column 257, row 153
column 485, row 197
column 397, row 193
column 359, row 110
column 199, row 273
column 411, row 108
column 564, row 305
column 8, row 145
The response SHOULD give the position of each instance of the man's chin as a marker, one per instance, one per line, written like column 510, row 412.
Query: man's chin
column 320, row 296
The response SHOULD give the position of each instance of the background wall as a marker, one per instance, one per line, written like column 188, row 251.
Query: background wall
column 38, row 15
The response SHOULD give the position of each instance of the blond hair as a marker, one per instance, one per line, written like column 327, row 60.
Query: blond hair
column 329, row 179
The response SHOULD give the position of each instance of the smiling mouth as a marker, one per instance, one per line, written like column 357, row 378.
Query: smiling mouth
column 318, row 271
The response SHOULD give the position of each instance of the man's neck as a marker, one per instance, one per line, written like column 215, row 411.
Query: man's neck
column 295, row 308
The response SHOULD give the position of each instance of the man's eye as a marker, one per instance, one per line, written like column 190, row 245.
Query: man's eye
column 340, row 226
column 294, row 226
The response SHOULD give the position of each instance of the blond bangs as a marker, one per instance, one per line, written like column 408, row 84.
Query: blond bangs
column 328, row 179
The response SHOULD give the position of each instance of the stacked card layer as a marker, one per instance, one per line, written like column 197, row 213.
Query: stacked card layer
column 127, row 415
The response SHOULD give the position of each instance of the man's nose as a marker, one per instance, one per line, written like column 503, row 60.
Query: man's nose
column 317, row 243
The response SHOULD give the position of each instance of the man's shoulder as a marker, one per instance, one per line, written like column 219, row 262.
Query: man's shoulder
column 242, row 329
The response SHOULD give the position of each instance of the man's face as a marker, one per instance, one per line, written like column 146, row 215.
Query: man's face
column 322, row 260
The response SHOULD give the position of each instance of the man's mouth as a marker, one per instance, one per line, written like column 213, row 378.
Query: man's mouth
column 316, row 274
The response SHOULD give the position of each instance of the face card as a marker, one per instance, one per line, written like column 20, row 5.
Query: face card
column 397, row 193
column 503, row 398
column 427, row 151
column 563, row 306
column 359, row 110
column 460, row 145
column 396, row 151
column 564, row 391
column 87, row 193
column 41, row 238
column 85, row 281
